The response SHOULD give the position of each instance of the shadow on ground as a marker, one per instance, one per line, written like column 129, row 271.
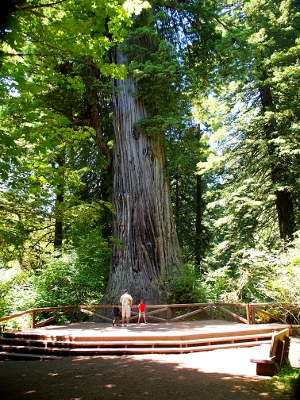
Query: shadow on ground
column 214, row 375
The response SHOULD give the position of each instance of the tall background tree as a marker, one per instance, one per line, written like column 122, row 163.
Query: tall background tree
column 250, row 112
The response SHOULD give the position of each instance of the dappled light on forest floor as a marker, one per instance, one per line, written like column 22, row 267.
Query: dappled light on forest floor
column 214, row 375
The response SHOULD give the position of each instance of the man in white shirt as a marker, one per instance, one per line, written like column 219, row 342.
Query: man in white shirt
column 126, row 301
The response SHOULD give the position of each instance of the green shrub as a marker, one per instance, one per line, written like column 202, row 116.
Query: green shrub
column 64, row 281
column 187, row 288
column 286, row 383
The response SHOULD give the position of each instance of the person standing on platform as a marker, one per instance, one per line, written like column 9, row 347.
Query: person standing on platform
column 126, row 301
column 117, row 314
column 142, row 311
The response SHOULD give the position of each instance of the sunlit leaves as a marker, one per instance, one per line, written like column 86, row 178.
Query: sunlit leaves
column 71, row 29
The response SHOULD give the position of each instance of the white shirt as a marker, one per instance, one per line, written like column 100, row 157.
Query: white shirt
column 126, row 300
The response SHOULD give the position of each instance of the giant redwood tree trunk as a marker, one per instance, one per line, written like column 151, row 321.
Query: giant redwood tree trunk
column 147, row 258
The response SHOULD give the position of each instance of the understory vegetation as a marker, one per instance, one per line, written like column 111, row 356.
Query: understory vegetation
column 69, row 280
column 286, row 382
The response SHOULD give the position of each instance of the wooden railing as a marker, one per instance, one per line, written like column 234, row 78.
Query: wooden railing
column 246, row 313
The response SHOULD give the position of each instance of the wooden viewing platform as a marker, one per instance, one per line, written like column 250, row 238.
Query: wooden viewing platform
column 176, row 328
column 92, row 338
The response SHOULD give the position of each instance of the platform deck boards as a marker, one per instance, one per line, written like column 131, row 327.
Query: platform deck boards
column 86, row 331
column 88, row 338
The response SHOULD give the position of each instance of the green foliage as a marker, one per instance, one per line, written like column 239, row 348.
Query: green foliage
column 187, row 288
column 68, row 280
column 155, row 67
column 63, row 281
column 44, row 156
column 286, row 382
column 27, row 206
column 274, row 276
column 21, row 237
column 86, row 28
column 16, row 295
column 258, row 275
column 185, row 147
column 12, row 283
column 248, row 115
column 56, row 92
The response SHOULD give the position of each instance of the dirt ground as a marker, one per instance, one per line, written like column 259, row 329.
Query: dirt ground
column 213, row 375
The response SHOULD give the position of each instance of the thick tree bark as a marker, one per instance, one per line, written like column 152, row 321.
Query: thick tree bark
column 147, row 258
column 284, row 203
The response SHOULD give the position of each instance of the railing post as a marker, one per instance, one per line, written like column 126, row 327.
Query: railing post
column 253, row 313
column 248, row 314
column 219, row 313
column 212, row 314
column 79, row 314
column 33, row 319
column 169, row 316
column 72, row 315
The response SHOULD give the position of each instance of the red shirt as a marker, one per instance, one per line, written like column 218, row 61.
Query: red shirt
column 142, row 307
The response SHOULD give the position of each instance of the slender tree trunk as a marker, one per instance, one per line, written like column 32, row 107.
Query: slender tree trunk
column 284, row 203
column 199, row 215
column 59, row 202
column 58, row 229
column 147, row 258
column 199, row 228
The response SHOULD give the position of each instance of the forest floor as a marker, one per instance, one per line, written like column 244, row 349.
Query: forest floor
column 213, row 375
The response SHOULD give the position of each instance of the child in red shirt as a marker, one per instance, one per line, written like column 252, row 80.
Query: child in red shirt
column 142, row 311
